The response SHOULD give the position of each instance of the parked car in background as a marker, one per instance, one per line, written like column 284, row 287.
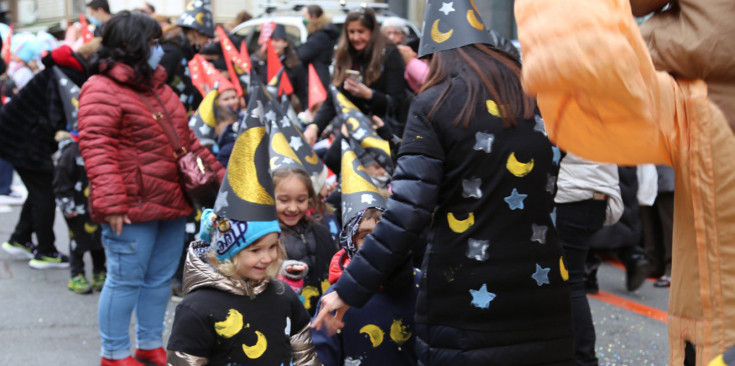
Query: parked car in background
column 289, row 15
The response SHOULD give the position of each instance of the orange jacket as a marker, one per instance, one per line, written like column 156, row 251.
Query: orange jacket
column 602, row 99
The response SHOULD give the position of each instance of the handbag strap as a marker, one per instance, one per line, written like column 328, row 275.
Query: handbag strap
column 168, row 129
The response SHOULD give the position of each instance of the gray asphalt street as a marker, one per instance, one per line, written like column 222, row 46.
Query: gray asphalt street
column 42, row 323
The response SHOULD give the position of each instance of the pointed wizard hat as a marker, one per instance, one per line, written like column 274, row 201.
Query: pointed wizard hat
column 198, row 16
column 358, row 190
column 69, row 93
column 203, row 122
column 246, row 193
column 452, row 24
column 361, row 130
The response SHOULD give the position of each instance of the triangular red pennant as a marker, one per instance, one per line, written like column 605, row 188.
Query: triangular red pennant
column 244, row 55
column 87, row 35
column 317, row 93
column 273, row 62
column 228, row 49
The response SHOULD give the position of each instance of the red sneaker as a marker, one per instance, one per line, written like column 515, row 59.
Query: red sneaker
column 156, row 356
column 128, row 361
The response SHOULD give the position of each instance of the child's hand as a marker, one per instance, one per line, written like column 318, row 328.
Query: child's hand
column 296, row 269
column 331, row 314
column 70, row 215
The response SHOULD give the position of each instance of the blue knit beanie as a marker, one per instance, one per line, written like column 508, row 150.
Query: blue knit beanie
column 229, row 237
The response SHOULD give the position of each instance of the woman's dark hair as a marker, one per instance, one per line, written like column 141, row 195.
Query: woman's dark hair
column 126, row 38
column 487, row 74
column 372, row 55
column 314, row 11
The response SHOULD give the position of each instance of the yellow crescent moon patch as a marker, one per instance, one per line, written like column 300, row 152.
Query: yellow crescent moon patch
column 492, row 108
column 257, row 350
column 199, row 17
column 374, row 333
column 274, row 165
column 353, row 123
column 460, row 226
column 243, row 174
column 281, row 146
column 517, row 168
column 563, row 269
column 231, row 325
column 313, row 159
column 438, row 36
column 90, row 228
column 399, row 333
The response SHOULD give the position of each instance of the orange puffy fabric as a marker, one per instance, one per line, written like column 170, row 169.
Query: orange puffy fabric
column 602, row 98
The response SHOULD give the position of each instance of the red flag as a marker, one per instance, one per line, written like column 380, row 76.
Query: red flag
column 87, row 35
column 228, row 50
column 276, row 70
column 317, row 93
column 266, row 30
column 6, row 46
column 196, row 71
column 244, row 55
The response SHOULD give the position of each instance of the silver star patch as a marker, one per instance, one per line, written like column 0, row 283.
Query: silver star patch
column 539, row 233
column 484, row 142
column 471, row 188
column 477, row 249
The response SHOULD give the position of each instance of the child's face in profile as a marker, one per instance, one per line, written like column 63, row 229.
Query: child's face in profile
column 292, row 200
column 366, row 227
column 253, row 261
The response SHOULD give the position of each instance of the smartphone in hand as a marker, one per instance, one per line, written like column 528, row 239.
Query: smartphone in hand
column 354, row 75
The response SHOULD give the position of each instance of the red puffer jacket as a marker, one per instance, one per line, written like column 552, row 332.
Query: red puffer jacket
column 129, row 161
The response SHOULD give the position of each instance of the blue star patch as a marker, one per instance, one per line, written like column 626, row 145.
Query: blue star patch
column 481, row 298
column 515, row 200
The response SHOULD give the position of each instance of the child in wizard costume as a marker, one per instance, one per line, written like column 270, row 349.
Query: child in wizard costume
column 235, row 311
column 381, row 332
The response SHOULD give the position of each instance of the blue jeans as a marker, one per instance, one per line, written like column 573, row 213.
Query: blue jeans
column 140, row 264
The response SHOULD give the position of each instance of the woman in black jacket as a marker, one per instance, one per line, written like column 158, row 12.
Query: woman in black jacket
column 380, row 85
column 478, row 170
column 319, row 46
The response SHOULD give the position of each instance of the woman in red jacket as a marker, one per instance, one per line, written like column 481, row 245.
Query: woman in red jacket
column 135, row 189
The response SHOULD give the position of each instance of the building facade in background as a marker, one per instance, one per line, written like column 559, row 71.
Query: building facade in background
column 41, row 14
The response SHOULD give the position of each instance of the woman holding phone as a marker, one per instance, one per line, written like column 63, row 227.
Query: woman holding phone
column 368, row 71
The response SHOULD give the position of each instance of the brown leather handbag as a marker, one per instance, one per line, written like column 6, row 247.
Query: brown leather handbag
column 198, row 180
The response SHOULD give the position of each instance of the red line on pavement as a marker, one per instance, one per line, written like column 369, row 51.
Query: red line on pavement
column 633, row 306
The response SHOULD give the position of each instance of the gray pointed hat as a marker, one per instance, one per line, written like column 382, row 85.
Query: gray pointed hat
column 452, row 24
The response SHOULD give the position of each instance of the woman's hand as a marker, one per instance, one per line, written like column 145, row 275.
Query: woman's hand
column 117, row 221
column 358, row 89
column 331, row 314
column 310, row 134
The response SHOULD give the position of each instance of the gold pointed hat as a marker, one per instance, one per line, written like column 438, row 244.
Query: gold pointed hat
column 358, row 190
column 246, row 193
column 452, row 24
column 204, row 122
column 361, row 130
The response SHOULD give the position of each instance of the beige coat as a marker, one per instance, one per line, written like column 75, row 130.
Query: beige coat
column 602, row 99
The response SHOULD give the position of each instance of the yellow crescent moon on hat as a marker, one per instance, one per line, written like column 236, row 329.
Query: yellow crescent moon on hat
column 281, row 146
column 190, row 7
column 438, row 36
column 243, row 174
column 206, row 109
column 345, row 103
column 199, row 17
column 351, row 181
column 313, row 159
column 274, row 165
column 353, row 123
column 460, row 226
column 376, row 143
column 517, row 168
column 472, row 18
column 258, row 349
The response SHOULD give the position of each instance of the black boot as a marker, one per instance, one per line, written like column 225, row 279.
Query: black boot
column 637, row 267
